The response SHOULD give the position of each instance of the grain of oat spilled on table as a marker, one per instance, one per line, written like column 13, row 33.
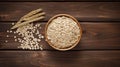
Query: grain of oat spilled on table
column 28, row 34
column 63, row 32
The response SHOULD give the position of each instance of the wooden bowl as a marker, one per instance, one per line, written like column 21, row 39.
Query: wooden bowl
column 69, row 16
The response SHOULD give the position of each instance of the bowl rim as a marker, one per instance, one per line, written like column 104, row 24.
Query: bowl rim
column 66, row 15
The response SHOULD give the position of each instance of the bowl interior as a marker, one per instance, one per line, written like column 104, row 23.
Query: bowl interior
column 60, row 15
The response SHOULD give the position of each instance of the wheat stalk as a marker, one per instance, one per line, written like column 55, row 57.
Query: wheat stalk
column 26, row 22
column 30, row 17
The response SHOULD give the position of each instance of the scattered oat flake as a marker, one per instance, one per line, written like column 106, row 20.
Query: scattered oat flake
column 28, row 38
column 14, row 36
column 15, row 39
column 13, row 23
column 7, row 36
column 6, row 41
column 8, row 31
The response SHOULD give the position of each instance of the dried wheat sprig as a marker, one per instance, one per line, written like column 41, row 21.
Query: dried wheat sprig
column 28, row 15
column 32, row 13
column 34, row 16
column 27, row 22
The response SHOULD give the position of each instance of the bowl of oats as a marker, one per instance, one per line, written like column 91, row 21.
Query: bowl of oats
column 63, row 32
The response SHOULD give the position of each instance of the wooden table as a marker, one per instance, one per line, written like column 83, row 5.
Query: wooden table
column 99, row 46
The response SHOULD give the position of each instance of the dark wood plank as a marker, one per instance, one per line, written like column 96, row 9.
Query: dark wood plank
column 59, row 59
column 58, row 0
column 83, row 11
column 96, row 35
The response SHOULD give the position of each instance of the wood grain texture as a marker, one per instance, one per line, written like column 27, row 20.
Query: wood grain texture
column 59, row 59
column 58, row 0
column 83, row 11
column 96, row 35
column 99, row 46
